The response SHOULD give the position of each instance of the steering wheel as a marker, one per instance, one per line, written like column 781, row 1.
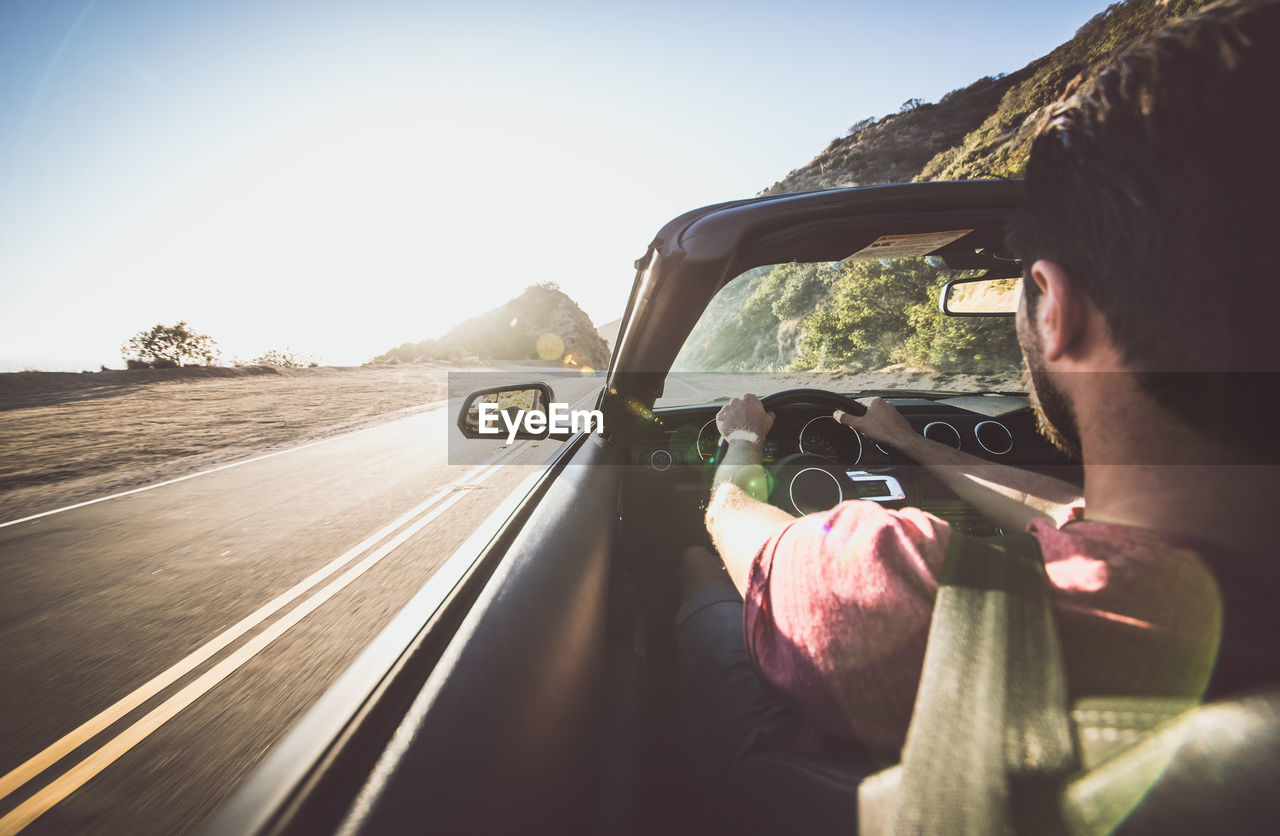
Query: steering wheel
column 803, row 482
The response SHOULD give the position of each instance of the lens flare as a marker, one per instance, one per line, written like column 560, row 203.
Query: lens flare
column 755, row 480
column 638, row 409
column 550, row 346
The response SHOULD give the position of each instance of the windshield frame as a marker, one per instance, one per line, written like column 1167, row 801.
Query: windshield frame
column 698, row 252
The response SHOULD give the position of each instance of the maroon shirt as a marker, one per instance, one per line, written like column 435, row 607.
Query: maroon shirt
column 838, row 606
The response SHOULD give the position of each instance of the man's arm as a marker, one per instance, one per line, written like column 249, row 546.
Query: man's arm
column 738, row 517
column 1010, row 496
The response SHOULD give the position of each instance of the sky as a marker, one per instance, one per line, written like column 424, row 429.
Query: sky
column 341, row 177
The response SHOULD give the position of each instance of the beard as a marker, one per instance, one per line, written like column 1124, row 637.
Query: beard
column 1055, row 415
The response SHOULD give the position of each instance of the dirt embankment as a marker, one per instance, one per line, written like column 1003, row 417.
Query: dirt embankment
column 65, row 437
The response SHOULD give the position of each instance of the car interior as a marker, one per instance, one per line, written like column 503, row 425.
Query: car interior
column 541, row 695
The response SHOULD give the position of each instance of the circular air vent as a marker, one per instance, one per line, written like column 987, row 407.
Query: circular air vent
column 994, row 437
column 660, row 460
column 943, row 433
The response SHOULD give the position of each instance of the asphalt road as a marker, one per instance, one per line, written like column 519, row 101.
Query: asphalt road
column 156, row 645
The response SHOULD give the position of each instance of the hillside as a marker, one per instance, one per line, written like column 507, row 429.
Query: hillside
column 982, row 130
column 872, row 316
column 542, row 323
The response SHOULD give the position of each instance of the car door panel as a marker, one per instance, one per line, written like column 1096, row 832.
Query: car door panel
column 500, row 735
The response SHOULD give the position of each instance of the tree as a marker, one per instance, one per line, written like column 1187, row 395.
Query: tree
column 169, row 346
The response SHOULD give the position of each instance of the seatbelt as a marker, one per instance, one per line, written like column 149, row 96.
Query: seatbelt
column 990, row 744
column 993, row 749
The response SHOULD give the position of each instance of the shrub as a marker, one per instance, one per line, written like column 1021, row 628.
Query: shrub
column 284, row 358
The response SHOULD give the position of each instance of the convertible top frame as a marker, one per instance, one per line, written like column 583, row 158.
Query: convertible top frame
column 699, row 252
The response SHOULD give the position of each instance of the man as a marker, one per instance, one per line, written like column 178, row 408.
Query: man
column 1146, row 325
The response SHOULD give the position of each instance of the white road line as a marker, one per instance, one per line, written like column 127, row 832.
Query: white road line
column 431, row 407
column 78, row 775
column 94, row 726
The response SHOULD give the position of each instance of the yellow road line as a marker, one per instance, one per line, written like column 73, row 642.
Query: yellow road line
column 78, row 775
column 23, row 773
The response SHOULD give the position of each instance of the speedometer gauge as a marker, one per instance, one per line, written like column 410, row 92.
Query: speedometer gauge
column 824, row 436
column 819, row 445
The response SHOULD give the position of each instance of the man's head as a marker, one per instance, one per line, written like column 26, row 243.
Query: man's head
column 1152, row 190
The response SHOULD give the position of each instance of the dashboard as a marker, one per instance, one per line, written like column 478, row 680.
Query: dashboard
column 827, row 462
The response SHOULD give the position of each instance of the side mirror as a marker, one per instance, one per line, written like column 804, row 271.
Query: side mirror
column 982, row 296
column 492, row 413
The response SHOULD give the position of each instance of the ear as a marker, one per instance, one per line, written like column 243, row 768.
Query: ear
column 1060, row 311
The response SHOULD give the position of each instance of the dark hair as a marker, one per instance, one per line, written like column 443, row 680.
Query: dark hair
column 1154, row 185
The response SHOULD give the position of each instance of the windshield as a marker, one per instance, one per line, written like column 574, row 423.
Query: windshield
column 848, row 326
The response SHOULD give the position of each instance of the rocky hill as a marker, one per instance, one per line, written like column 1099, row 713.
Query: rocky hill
column 982, row 130
column 824, row 317
column 542, row 323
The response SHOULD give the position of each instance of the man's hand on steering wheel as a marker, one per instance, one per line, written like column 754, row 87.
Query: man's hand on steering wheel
column 739, row 516
column 744, row 419
column 882, row 422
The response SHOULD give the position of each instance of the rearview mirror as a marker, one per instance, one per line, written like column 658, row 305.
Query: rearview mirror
column 982, row 296
column 493, row 413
